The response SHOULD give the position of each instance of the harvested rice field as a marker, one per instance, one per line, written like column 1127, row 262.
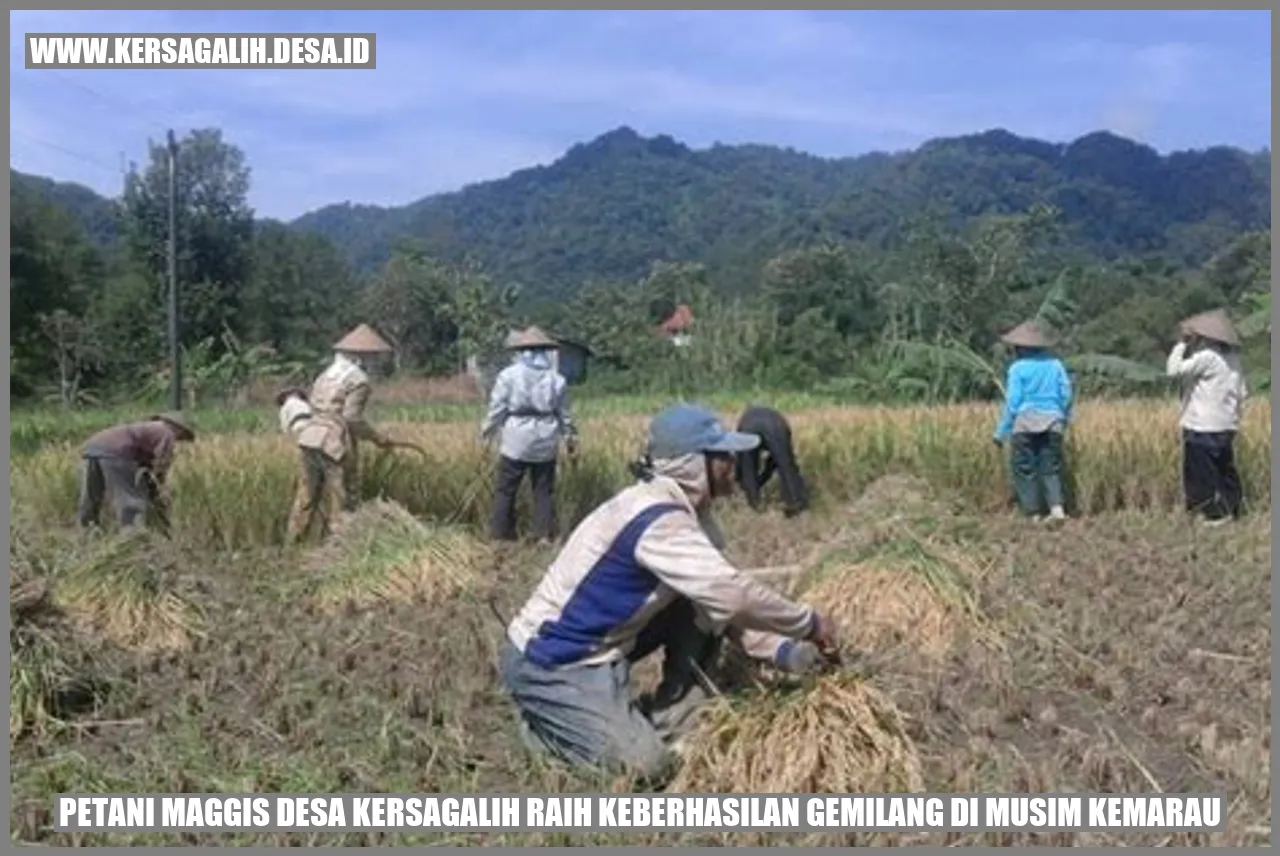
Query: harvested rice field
column 1125, row 651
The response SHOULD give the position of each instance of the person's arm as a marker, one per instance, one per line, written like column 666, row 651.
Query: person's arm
column 770, row 467
column 748, row 476
column 161, row 455
column 564, row 413
column 497, row 413
column 1066, row 392
column 1012, row 401
column 1179, row 365
column 353, row 413
column 678, row 552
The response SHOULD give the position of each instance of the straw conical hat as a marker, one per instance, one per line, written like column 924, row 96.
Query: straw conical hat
column 1213, row 325
column 530, row 337
column 1026, row 335
column 363, row 340
column 178, row 421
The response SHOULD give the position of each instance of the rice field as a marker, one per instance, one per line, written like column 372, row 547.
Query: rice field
column 232, row 489
column 1128, row 651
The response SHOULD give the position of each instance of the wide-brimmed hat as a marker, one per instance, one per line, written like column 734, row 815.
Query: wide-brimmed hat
column 363, row 340
column 529, row 338
column 178, row 421
column 1027, row 335
column 1213, row 325
column 686, row 429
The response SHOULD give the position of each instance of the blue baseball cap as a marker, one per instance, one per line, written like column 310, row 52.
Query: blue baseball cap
column 686, row 429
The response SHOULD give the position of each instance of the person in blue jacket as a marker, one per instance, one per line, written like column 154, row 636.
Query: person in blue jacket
column 1037, row 409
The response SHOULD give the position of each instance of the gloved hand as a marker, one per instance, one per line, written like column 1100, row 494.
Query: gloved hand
column 802, row 658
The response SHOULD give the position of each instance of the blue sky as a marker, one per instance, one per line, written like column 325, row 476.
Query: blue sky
column 460, row 97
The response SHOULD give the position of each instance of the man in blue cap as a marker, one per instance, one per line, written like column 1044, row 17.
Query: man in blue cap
column 645, row 571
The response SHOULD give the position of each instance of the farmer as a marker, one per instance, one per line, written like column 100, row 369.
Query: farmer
column 131, row 463
column 644, row 571
column 1037, row 409
column 1207, row 363
column 530, row 405
column 779, row 455
column 338, row 400
column 318, row 500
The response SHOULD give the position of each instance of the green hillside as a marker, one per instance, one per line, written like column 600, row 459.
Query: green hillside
column 610, row 207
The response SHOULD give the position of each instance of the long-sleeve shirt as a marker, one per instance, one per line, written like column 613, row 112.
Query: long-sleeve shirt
column 340, row 395
column 309, row 433
column 1038, row 396
column 530, row 405
column 629, row 560
column 149, row 444
column 1213, row 388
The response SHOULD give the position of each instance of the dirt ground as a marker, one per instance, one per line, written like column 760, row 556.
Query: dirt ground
column 1134, row 656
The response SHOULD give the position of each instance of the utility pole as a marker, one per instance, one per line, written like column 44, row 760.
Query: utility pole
column 175, row 353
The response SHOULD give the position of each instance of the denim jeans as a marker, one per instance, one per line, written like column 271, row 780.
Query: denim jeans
column 1036, row 461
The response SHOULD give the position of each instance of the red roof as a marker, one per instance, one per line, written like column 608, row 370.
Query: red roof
column 679, row 322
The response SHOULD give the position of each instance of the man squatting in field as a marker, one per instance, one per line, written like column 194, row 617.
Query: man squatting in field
column 338, row 400
column 530, row 405
column 644, row 571
column 1037, row 409
column 779, row 456
column 130, row 464
column 318, row 500
column 1206, row 361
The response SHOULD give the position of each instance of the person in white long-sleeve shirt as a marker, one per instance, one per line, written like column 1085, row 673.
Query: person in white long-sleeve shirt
column 1206, row 362
column 645, row 571
column 529, row 406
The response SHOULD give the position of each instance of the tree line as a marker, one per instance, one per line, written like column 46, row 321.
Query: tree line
column 911, row 315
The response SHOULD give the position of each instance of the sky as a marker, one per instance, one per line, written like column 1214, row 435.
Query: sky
column 466, row 96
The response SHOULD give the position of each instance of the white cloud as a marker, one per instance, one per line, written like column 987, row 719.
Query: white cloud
column 455, row 101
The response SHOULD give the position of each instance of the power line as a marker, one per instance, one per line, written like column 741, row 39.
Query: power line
column 110, row 101
column 69, row 152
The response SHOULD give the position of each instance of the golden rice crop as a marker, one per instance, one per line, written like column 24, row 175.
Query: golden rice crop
column 51, row 672
column 122, row 591
column 838, row 735
column 233, row 491
column 382, row 553
column 878, row 606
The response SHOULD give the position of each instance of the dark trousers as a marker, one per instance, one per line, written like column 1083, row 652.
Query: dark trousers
column 116, row 479
column 502, row 525
column 1209, row 477
column 686, row 648
column 777, row 454
column 1036, row 462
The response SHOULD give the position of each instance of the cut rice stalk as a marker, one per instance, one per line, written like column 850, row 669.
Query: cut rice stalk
column 877, row 606
column 384, row 553
column 840, row 735
column 121, row 593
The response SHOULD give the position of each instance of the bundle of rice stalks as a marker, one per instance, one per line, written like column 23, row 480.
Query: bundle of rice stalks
column 51, row 674
column 122, row 590
column 383, row 553
column 840, row 735
column 904, row 592
column 878, row 606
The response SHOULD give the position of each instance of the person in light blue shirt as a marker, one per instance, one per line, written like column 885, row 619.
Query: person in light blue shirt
column 1037, row 409
column 530, row 406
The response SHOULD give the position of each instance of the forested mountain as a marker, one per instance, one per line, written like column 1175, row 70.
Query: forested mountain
column 609, row 208
column 100, row 217
column 889, row 275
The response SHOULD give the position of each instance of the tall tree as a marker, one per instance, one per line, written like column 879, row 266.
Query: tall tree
column 215, row 230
